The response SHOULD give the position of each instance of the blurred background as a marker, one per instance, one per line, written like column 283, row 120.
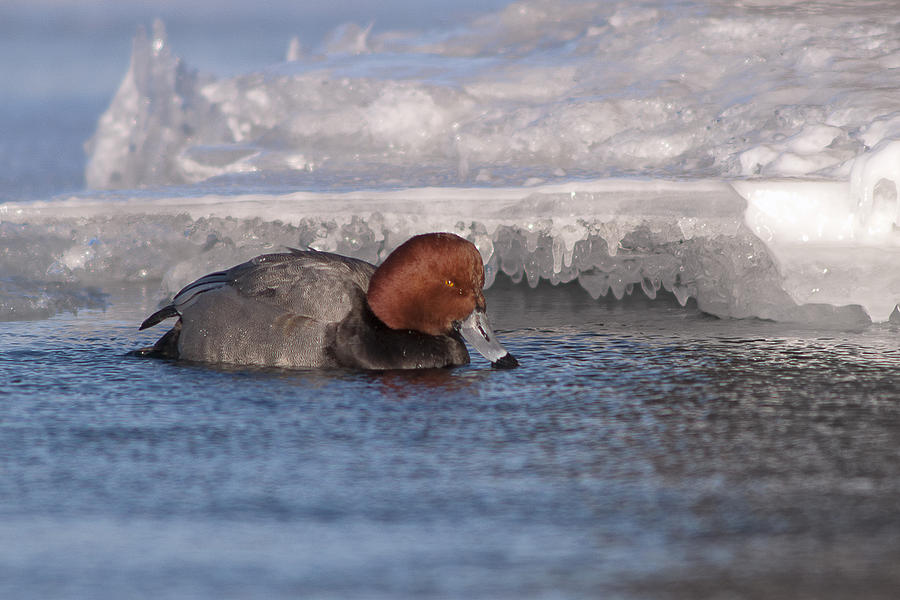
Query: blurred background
column 62, row 60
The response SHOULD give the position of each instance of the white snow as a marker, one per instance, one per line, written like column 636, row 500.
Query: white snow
column 746, row 155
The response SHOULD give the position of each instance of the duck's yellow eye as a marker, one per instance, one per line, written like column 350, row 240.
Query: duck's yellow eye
column 449, row 283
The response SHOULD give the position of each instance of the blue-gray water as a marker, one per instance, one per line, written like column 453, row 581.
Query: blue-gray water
column 642, row 450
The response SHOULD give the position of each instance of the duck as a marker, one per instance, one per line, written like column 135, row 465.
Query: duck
column 315, row 309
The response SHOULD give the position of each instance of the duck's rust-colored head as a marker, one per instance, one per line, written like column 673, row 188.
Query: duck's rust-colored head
column 432, row 283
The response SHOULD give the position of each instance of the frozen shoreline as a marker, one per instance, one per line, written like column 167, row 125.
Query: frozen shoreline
column 696, row 239
column 745, row 156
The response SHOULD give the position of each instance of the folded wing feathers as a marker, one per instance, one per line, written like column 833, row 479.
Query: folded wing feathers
column 204, row 284
column 263, row 276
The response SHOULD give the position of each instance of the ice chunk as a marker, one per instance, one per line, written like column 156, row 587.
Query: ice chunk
column 835, row 242
column 874, row 182
column 895, row 315
column 584, row 89
column 557, row 233
column 516, row 130
column 294, row 51
column 156, row 110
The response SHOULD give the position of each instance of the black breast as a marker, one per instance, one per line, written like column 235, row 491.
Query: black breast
column 362, row 341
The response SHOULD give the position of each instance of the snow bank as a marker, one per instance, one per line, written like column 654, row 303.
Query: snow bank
column 542, row 90
column 745, row 155
column 614, row 237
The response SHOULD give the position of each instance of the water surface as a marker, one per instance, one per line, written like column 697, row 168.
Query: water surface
column 641, row 450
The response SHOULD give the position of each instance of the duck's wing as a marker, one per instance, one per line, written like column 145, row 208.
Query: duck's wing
column 311, row 284
column 302, row 283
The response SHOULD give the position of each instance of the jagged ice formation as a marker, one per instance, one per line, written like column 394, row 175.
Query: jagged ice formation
column 746, row 157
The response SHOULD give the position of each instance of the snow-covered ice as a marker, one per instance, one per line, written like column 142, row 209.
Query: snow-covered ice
column 746, row 155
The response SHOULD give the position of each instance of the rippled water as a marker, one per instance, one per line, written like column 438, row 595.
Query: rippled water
column 642, row 450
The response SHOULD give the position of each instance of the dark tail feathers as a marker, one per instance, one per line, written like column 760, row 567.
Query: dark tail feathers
column 159, row 316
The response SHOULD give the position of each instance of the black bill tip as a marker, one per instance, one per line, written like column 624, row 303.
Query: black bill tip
column 507, row 361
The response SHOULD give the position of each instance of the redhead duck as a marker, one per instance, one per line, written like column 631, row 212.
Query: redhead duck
column 307, row 308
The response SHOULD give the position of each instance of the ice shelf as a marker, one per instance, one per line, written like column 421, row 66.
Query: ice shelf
column 614, row 237
column 743, row 155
